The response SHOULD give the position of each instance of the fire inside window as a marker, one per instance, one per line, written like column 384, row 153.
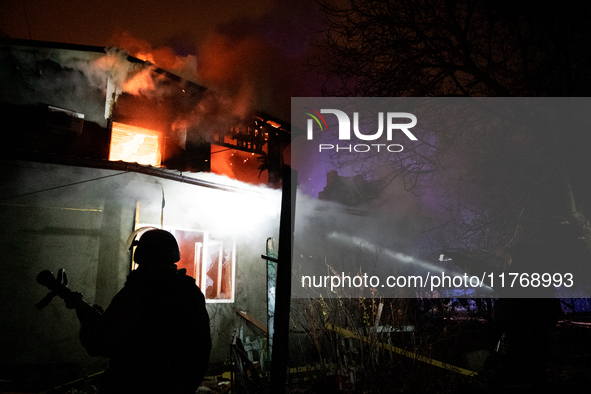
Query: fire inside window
column 134, row 145
column 211, row 262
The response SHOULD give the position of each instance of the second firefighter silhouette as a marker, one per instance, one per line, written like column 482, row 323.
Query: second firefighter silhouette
column 156, row 330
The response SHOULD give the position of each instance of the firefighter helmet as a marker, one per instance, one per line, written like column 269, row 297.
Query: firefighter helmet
column 156, row 246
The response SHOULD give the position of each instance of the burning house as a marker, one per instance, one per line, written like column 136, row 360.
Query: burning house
column 98, row 143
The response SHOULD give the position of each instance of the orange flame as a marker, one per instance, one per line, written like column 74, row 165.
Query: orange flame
column 135, row 144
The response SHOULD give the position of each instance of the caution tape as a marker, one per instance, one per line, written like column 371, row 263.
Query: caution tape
column 402, row 352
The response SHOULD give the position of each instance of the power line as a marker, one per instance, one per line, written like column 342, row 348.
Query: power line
column 62, row 186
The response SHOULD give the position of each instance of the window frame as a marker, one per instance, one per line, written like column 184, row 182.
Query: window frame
column 204, row 247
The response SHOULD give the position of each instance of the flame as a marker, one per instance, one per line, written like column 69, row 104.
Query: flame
column 237, row 165
column 134, row 144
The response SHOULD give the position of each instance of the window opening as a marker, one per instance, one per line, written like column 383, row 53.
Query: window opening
column 211, row 261
column 134, row 144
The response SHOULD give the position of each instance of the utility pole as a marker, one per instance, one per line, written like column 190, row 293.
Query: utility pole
column 283, row 287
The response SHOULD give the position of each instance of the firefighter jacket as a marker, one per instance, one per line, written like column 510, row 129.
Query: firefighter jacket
column 155, row 333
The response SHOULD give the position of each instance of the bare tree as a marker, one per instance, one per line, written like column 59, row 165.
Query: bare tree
column 457, row 48
column 504, row 171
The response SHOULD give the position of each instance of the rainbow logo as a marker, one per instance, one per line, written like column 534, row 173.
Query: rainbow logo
column 315, row 117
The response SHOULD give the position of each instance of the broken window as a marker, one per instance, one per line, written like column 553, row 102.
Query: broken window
column 210, row 260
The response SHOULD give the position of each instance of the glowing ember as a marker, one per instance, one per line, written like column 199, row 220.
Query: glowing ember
column 134, row 144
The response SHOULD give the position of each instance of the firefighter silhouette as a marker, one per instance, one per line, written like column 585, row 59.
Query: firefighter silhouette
column 156, row 330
